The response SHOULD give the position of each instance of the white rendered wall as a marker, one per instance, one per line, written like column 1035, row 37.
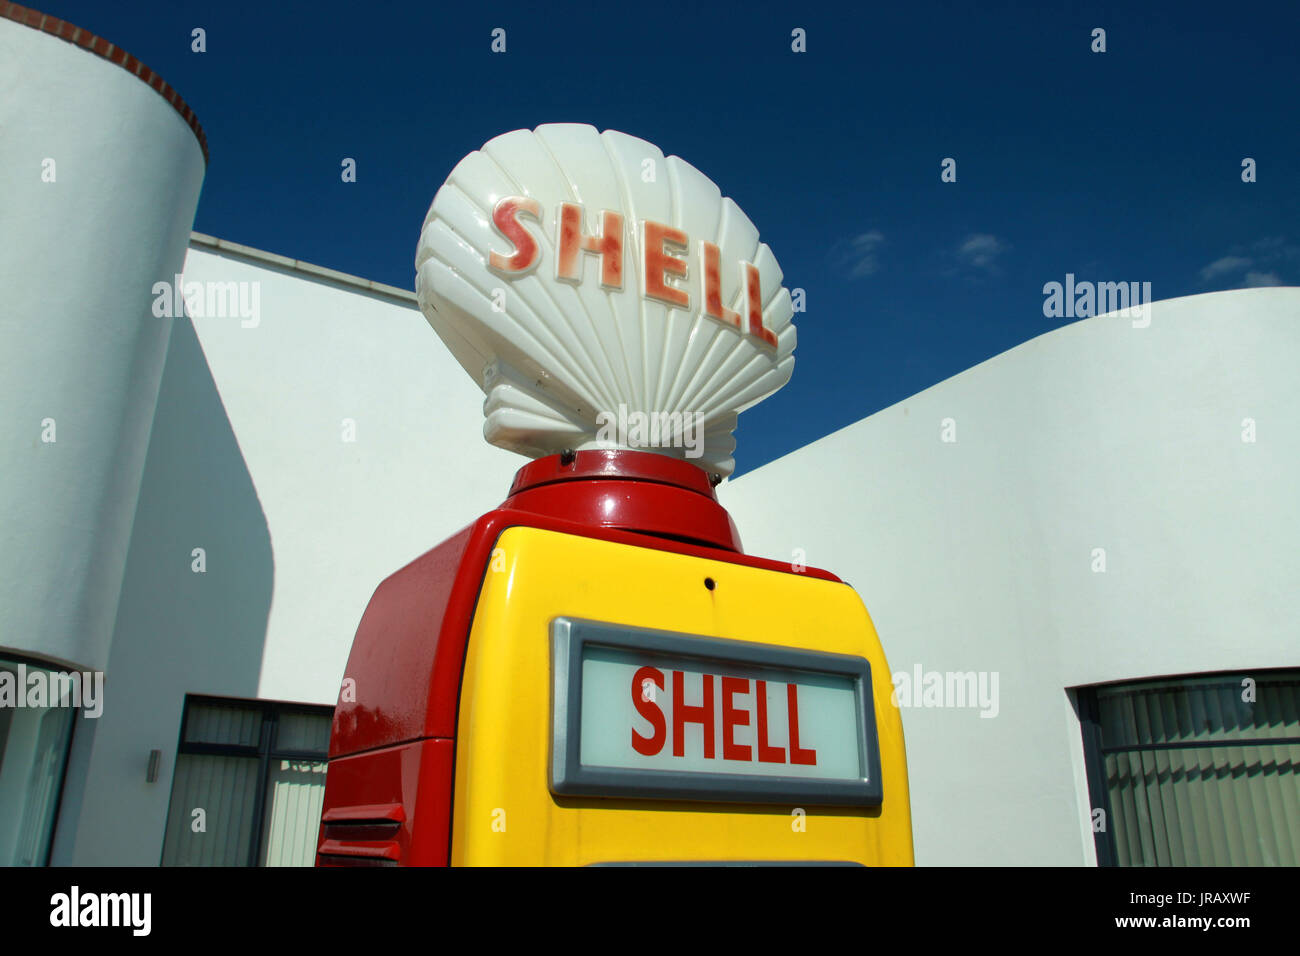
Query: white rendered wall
column 977, row 555
column 81, row 346
column 247, row 461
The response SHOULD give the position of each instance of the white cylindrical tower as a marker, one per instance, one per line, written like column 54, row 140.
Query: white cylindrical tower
column 102, row 163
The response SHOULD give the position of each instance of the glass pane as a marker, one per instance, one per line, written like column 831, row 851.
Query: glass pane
column 295, row 790
column 239, row 724
column 210, row 822
column 1227, row 793
column 304, row 733
column 33, row 748
column 1199, row 709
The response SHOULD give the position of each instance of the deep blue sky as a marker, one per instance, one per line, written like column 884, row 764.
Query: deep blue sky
column 1122, row 166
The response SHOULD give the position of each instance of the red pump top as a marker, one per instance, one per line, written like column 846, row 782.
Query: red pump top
column 627, row 491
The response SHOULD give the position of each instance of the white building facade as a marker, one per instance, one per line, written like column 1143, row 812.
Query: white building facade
column 1080, row 555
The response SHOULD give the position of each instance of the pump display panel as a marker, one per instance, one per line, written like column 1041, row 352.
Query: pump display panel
column 680, row 716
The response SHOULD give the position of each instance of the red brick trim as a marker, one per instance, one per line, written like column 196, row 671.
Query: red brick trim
column 114, row 54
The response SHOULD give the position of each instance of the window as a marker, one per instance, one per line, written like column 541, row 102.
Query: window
column 1195, row 771
column 36, row 713
column 249, row 781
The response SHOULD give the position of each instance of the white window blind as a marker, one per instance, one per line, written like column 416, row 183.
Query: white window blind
column 249, row 784
column 1203, row 771
column 295, row 791
column 211, row 817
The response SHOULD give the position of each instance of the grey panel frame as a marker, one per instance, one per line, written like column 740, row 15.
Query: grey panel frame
column 568, row 776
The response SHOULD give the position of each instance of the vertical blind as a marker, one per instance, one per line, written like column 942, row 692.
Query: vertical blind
column 248, row 786
column 1203, row 771
column 296, row 790
column 211, row 817
column 232, row 724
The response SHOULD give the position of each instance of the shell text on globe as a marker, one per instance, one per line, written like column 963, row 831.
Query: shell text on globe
column 662, row 272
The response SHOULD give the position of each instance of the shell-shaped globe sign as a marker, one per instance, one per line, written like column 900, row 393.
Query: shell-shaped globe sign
column 603, row 296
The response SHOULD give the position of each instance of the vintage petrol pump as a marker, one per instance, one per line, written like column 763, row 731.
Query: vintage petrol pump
column 595, row 672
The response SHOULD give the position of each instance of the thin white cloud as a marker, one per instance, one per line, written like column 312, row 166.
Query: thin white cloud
column 1264, row 262
column 1224, row 266
column 980, row 250
column 1255, row 280
column 859, row 254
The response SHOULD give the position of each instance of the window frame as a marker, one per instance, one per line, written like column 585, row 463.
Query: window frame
column 1088, row 707
column 265, row 751
column 1094, row 760
column 77, row 717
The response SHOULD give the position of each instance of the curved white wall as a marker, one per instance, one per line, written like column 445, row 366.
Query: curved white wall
column 81, row 345
column 978, row 555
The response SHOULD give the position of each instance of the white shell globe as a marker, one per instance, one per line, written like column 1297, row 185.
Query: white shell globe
column 650, row 344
